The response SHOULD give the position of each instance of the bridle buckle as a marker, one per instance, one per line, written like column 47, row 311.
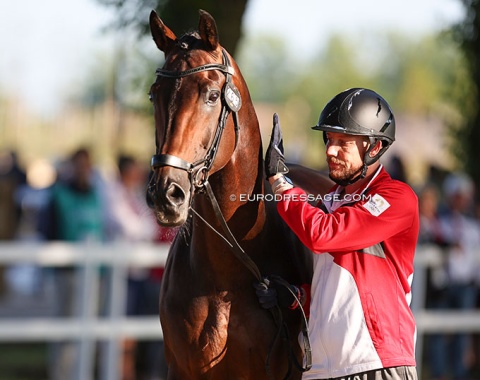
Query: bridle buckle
column 200, row 177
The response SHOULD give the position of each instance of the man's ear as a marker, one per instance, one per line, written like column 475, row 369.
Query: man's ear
column 376, row 149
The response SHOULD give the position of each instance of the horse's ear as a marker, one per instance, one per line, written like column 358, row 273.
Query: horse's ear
column 164, row 38
column 207, row 29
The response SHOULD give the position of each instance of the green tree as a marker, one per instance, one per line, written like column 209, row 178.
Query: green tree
column 419, row 76
column 467, row 34
column 334, row 69
column 270, row 70
column 181, row 16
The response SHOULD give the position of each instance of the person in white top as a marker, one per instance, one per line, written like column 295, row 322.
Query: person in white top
column 133, row 222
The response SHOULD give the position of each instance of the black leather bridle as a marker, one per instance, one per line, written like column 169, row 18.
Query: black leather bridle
column 198, row 171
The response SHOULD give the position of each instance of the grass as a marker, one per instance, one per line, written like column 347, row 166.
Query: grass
column 23, row 361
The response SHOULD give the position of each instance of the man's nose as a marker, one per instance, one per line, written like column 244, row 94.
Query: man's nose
column 332, row 150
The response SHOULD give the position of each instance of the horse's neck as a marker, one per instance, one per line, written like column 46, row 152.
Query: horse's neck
column 238, row 189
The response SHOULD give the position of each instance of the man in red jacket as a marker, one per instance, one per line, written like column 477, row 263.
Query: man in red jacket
column 363, row 235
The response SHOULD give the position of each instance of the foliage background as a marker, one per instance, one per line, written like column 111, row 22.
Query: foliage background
column 429, row 80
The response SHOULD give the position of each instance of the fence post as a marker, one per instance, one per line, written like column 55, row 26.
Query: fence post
column 116, row 310
column 419, row 289
column 89, row 306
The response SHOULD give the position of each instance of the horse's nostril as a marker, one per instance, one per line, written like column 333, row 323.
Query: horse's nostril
column 175, row 194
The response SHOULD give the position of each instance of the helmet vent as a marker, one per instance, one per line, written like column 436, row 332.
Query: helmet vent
column 379, row 107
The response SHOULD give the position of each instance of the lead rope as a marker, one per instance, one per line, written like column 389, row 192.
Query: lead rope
column 250, row 264
column 237, row 249
column 307, row 348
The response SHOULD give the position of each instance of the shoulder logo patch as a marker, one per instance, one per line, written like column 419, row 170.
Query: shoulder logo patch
column 376, row 205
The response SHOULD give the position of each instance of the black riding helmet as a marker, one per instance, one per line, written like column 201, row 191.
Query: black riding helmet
column 359, row 111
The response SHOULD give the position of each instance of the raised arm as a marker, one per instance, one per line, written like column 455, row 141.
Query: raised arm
column 312, row 181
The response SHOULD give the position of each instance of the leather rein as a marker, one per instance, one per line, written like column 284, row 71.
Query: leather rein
column 198, row 172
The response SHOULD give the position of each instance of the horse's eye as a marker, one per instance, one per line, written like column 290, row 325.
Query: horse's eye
column 212, row 97
column 150, row 97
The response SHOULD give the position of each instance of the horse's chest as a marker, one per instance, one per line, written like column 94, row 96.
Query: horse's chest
column 203, row 328
column 207, row 329
column 208, row 325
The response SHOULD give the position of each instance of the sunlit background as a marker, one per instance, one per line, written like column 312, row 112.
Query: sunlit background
column 70, row 78
column 67, row 79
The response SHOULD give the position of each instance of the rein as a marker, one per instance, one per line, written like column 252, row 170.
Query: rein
column 198, row 172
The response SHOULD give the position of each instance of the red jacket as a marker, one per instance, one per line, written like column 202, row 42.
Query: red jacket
column 360, row 317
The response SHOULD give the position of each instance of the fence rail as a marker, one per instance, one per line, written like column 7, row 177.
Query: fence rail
column 62, row 254
column 87, row 327
column 48, row 329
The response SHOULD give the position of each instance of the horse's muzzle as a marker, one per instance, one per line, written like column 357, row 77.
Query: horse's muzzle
column 169, row 200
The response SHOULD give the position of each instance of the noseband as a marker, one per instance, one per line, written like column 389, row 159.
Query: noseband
column 198, row 171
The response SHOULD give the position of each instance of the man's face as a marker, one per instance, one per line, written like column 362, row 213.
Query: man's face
column 345, row 155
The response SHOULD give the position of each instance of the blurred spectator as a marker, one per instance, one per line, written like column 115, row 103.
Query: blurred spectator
column 448, row 354
column 431, row 234
column 74, row 213
column 12, row 178
column 133, row 221
column 476, row 335
column 428, row 201
column 436, row 175
column 396, row 168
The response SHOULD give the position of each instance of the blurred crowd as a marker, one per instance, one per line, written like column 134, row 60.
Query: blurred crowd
column 450, row 220
column 79, row 203
column 449, row 207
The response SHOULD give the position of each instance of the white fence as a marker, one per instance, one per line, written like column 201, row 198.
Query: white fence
column 429, row 321
column 115, row 327
column 87, row 327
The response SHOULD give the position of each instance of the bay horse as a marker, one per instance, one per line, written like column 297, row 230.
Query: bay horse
column 207, row 177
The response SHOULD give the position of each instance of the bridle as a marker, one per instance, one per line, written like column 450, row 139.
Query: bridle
column 198, row 172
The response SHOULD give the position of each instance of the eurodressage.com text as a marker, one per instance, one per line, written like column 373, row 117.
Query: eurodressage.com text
column 301, row 197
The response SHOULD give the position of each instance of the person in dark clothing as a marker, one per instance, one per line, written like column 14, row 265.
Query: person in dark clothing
column 74, row 213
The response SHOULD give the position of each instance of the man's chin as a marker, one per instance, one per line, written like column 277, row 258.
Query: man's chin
column 336, row 175
column 340, row 180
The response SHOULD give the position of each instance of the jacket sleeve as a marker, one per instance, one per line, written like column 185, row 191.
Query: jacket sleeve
column 351, row 227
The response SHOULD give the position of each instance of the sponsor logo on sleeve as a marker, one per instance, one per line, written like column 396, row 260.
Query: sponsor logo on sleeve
column 376, row 205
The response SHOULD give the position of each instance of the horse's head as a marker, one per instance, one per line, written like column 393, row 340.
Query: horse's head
column 192, row 97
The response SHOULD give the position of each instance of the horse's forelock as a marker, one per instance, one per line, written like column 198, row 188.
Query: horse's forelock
column 189, row 40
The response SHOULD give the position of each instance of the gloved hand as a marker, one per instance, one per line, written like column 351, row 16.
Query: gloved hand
column 271, row 294
column 274, row 158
